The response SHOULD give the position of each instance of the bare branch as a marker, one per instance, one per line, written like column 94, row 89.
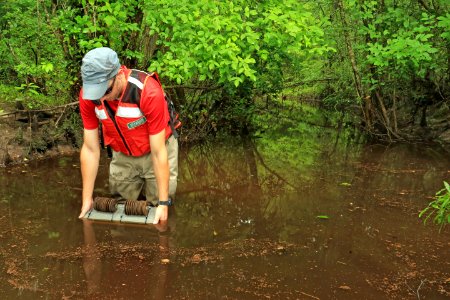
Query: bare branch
column 206, row 88
column 424, row 5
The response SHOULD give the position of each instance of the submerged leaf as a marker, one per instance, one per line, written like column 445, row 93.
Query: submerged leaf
column 322, row 217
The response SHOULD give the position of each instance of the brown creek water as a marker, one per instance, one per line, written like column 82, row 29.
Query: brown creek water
column 284, row 218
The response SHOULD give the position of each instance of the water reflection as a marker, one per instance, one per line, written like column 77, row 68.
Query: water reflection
column 247, row 226
column 91, row 259
column 121, row 276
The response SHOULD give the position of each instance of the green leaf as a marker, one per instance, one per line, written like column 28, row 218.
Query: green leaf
column 53, row 234
column 447, row 186
column 33, row 92
column 322, row 217
column 47, row 67
column 109, row 20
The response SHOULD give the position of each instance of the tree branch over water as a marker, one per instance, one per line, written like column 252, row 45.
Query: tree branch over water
column 258, row 155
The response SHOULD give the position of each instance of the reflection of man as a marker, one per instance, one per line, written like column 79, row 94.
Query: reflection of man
column 136, row 124
column 92, row 265
column 91, row 259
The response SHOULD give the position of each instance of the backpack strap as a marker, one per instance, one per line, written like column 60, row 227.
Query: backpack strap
column 173, row 117
column 100, row 133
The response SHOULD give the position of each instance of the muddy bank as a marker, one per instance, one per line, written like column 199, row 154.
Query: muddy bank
column 19, row 144
column 38, row 134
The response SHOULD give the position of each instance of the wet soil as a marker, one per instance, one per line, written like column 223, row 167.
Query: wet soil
column 39, row 134
column 328, row 220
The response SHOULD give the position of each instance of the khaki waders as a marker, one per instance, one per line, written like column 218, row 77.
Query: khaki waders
column 129, row 176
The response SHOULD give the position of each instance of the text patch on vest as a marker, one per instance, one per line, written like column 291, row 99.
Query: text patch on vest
column 136, row 123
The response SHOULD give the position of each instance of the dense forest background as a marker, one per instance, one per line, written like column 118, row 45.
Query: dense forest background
column 230, row 66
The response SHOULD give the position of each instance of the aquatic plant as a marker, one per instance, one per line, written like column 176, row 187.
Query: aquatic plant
column 440, row 207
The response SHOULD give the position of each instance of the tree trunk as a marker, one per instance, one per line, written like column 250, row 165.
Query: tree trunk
column 366, row 106
column 147, row 43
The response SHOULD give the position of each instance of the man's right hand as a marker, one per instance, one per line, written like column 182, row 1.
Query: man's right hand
column 89, row 158
column 87, row 206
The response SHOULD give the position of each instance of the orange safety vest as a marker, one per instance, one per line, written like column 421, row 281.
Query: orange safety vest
column 125, row 129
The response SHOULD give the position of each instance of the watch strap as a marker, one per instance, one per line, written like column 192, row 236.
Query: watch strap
column 167, row 203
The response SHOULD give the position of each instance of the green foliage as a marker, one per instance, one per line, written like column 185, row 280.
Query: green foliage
column 31, row 56
column 391, row 62
column 42, row 43
column 240, row 47
column 399, row 41
column 440, row 207
column 230, row 42
column 28, row 95
column 97, row 23
column 444, row 24
column 224, row 56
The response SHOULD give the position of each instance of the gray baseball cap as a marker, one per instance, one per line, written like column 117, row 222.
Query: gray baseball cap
column 98, row 67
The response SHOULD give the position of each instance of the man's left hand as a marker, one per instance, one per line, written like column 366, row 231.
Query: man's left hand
column 161, row 214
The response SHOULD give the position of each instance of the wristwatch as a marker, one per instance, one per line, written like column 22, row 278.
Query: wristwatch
column 167, row 203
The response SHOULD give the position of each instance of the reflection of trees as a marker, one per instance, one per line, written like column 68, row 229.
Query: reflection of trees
column 388, row 185
column 397, row 168
column 237, row 178
column 250, row 159
column 252, row 152
column 239, row 191
column 218, row 186
column 288, row 179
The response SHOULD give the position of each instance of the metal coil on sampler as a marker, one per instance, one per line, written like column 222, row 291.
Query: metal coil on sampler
column 134, row 207
column 105, row 204
column 131, row 207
